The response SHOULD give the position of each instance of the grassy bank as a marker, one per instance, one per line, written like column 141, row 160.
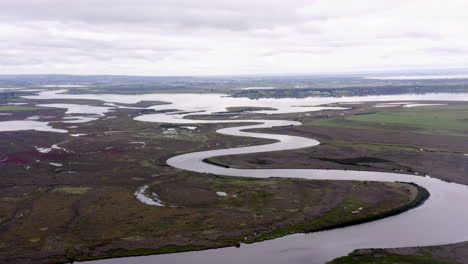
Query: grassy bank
column 383, row 257
column 249, row 195
column 213, row 161
column 439, row 120
column 340, row 216
column 122, row 252
column 19, row 108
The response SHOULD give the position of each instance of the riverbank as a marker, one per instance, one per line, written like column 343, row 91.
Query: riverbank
column 245, row 210
column 330, row 222
column 448, row 254
column 199, row 212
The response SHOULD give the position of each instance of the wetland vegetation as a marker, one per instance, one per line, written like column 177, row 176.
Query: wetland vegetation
column 85, row 183
column 94, row 171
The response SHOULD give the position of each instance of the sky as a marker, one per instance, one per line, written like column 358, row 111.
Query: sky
column 225, row 37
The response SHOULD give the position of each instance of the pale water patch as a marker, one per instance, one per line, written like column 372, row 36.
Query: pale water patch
column 152, row 200
column 358, row 210
column 122, row 106
column 78, row 119
column 258, row 88
column 386, row 105
column 80, row 109
column 393, row 104
column 416, row 105
column 30, row 90
column 17, row 103
column 56, row 164
column 55, row 146
column 78, row 135
column 170, row 131
column 215, row 103
column 7, row 89
column 94, row 111
column 350, row 103
column 189, row 127
column 404, row 104
column 64, row 85
column 399, row 103
column 43, row 150
column 18, row 125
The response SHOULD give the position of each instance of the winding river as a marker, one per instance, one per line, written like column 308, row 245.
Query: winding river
column 441, row 219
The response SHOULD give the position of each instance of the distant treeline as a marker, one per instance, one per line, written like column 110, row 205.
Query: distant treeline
column 349, row 91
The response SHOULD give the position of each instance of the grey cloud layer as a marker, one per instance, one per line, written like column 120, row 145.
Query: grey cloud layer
column 233, row 15
column 228, row 37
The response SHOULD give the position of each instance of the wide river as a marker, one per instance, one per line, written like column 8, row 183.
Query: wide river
column 441, row 219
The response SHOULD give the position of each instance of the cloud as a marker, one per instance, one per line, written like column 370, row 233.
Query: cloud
column 451, row 51
column 413, row 35
column 234, row 15
column 183, row 37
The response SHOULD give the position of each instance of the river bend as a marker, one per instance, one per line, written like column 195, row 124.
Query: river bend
column 440, row 220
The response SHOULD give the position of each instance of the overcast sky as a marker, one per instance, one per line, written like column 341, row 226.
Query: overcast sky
column 208, row 37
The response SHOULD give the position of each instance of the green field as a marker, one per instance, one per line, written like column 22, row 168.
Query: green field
column 386, row 258
column 447, row 119
column 7, row 108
